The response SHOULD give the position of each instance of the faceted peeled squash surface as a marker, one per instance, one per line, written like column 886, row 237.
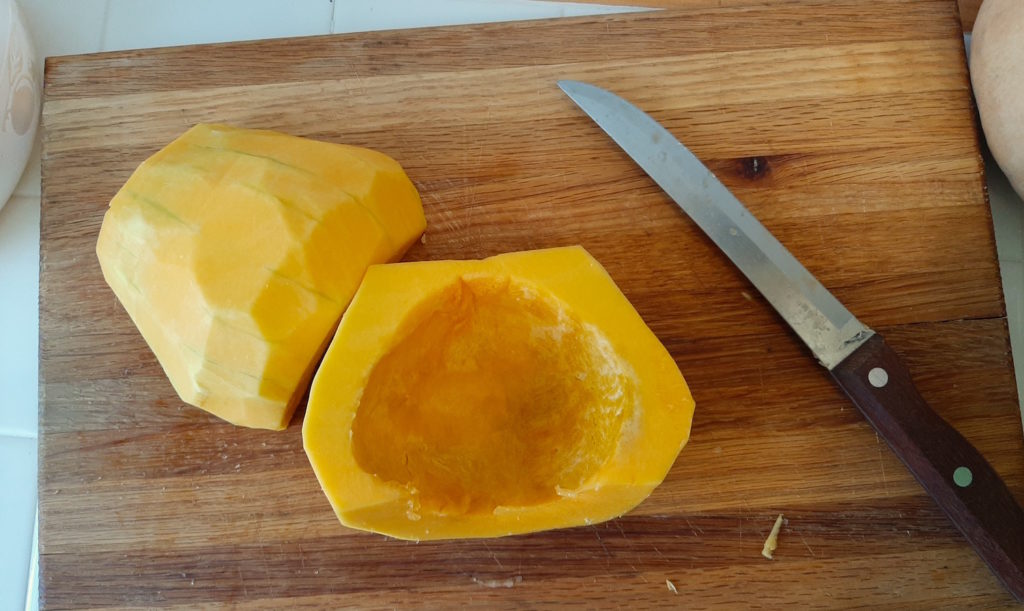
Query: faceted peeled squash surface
column 486, row 398
column 236, row 251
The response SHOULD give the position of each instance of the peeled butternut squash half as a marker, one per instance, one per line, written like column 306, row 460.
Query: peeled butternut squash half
column 486, row 398
column 235, row 252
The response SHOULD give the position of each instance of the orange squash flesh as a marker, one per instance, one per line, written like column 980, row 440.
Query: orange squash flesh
column 235, row 251
column 486, row 398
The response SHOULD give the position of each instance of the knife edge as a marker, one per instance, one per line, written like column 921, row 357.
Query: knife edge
column 818, row 318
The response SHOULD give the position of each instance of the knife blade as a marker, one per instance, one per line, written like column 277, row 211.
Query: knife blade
column 948, row 467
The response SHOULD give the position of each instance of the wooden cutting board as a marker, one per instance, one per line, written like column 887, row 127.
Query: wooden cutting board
column 968, row 8
column 846, row 126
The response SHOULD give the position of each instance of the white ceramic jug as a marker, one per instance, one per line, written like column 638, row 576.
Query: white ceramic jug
column 20, row 97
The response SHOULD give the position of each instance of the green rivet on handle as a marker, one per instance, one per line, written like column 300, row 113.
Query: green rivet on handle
column 963, row 477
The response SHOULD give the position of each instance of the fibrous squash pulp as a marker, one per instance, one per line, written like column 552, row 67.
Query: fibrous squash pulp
column 236, row 251
column 485, row 398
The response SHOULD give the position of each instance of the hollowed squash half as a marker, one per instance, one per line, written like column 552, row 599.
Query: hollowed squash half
column 487, row 398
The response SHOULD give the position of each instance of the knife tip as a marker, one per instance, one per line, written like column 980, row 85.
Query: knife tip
column 572, row 88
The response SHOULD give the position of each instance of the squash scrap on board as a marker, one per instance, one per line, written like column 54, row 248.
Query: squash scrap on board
column 235, row 252
column 491, row 397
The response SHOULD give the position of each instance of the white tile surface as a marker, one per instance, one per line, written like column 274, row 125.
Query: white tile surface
column 134, row 24
column 1007, row 213
column 65, row 27
column 30, row 184
column 18, row 482
column 1012, row 273
column 32, row 596
column 1008, row 219
column 367, row 15
column 19, row 316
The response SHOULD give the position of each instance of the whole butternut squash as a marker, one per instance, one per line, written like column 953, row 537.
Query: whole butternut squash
column 235, row 251
column 997, row 75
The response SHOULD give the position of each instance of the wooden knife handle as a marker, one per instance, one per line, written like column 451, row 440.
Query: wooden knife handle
column 949, row 468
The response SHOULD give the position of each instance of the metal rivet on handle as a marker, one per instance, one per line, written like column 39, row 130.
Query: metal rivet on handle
column 878, row 377
column 962, row 477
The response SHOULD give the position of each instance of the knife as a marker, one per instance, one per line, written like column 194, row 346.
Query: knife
column 949, row 468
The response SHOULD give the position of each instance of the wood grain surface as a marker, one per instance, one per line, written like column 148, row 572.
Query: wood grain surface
column 968, row 13
column 968, row 8
column 868, row 170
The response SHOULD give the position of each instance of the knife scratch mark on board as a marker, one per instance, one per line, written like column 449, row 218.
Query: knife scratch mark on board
column 701, row 285
column 881, row 465
column 804, row 541
column 359, row 83
column 607, row 554
column 422, row 188
column 493, row 556
column 621, row 532
column 760, row 383
column 245, row 590
column 448, row 220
